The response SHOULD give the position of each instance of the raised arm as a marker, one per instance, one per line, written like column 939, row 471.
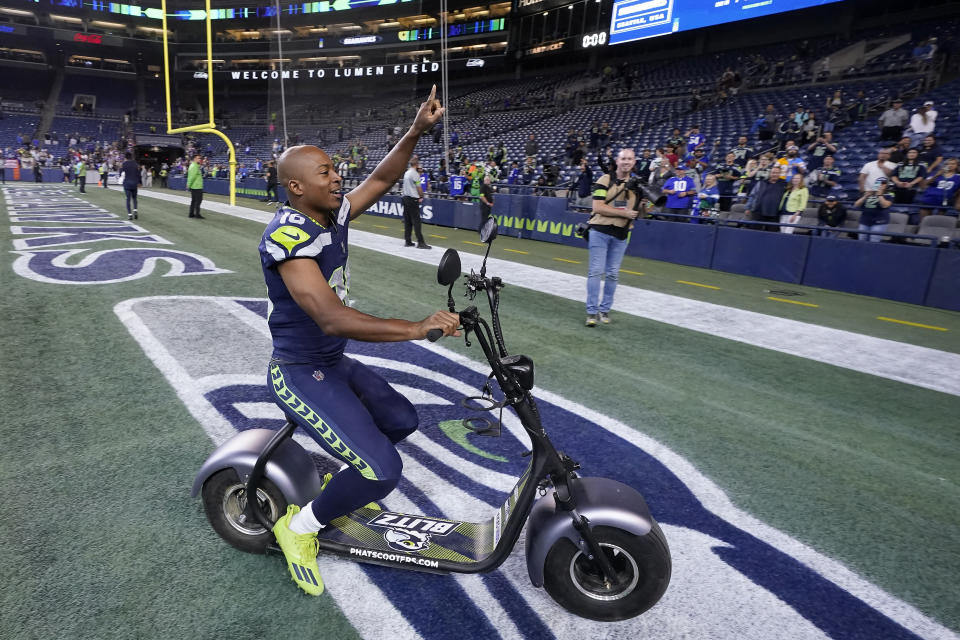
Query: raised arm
column 391, row 168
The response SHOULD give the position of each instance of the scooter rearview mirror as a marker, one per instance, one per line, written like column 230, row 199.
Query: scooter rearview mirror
column 489, row 230
column 447, row 273
column 449, row 268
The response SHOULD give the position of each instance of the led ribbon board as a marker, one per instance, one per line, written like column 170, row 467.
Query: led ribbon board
column 638, row 19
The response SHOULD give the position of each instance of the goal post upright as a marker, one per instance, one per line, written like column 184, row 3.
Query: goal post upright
column 210, row 126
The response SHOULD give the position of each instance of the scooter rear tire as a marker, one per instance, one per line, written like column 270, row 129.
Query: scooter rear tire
column 224, row 498
column 642, row 563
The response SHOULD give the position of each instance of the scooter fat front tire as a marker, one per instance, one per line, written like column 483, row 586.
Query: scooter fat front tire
column 225, row 499
column 642, row 565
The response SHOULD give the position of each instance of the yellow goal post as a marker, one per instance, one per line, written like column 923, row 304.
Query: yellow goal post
column 208, row 127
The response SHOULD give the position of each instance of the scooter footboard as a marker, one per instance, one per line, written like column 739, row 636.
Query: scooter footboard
column 604, row 502
column 290, row 468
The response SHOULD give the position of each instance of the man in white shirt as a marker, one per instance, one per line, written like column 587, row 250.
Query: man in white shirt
column 922, row 123
column 412, row 197
column 879, row 168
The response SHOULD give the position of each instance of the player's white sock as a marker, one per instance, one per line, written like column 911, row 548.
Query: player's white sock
column 305, row 521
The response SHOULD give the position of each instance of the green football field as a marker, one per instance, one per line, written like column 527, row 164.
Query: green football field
column 102, row 540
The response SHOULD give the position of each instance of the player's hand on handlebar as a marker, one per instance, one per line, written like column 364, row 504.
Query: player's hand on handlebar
column 441, row 323
column 430, row 112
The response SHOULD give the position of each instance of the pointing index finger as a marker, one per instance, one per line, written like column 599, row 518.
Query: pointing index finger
column 433, row 93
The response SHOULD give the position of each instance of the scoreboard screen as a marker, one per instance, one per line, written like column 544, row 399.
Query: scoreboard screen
column 638, row 19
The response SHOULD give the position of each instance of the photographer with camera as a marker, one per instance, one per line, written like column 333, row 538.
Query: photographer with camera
column 617, row 201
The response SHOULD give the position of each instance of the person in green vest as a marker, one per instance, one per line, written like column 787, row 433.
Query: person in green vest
column 163, row 175
column 104, row 171
column 475, row 184
column 195, row 185
column 82, row 174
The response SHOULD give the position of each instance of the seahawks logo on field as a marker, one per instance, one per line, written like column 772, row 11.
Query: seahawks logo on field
column 411, row 533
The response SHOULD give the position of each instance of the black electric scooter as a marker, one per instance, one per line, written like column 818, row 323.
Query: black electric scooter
column 591, row 542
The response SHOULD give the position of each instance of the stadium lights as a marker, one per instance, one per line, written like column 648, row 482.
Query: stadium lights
column 317, row 30
column 66, row 18
column 16, row 12
column 392, row 23
column 108, row 25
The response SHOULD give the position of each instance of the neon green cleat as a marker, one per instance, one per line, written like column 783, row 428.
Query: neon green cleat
column 301, row 552
column 369, row 505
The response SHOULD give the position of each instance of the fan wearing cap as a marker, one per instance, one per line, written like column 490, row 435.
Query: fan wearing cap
column 874, row 216
column 792, row 164
column 892, row 121
column 832, row 213
column 923, row 122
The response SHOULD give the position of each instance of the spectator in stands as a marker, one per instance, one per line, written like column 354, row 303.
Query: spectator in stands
column 195, row 185
column 130, row 179
column 831, row 214
column 873, row 207
column 931, row 154
column 819, row 149
column 643, row 167
column 810, row 129
column 757, row 170
column 942, row 190
column 874, row 170
column 825, row 179
column 892, row 121
column 616, row 204
column 857, row 107
column 660, row 175
column 513, row 177
column 500, row 155
column 531, row 148
column 695, row 140
column 794, row 202
column 675, row 139
column 923, row 122
column 679, row 190
column 899, row 153
column 697, row 164
column 606, row 134
column 709, row 202
column 765, row 198
column 672, row 156
column 741, row 153
column 583, row 184
column 792, row 164
column 768, row 124
column 594, row 137
column 907, row 177
column 788, row 132
column 726, row 174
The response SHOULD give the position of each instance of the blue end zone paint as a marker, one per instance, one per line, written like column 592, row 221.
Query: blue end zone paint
column 601, row 453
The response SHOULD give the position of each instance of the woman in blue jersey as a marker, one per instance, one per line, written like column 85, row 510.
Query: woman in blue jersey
column 943, row 190
column 346, row 407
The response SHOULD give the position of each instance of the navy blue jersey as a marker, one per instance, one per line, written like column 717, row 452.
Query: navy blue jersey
column 457, row 184
column 872, row 213
column 741, row 155
column 694, row 141
column 291, row 234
